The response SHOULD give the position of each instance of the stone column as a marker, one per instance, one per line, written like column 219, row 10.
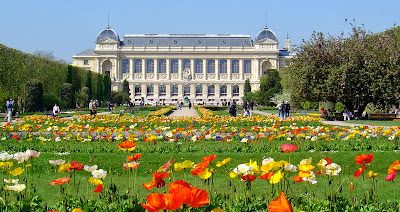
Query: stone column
column 241, row 89
column 217, row 93
column 229, row 68
column 204, row 68
column 180, row 71
column 99, row 70
column 192, row 69
column 229, row 92
column 155, row 69
column 144, row 91
column 144, row 69
column 205, row 91
column 216, row 69
column 193, row 92
column 240, row 69
column 180, row 91
column 255, row 69
column 131, row 69
column 156, row 91
column 168, row 69
column 168, row 91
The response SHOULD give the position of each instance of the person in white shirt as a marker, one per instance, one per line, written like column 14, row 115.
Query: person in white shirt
column 56, row 110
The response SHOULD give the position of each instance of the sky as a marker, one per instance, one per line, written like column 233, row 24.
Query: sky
column 70, row 27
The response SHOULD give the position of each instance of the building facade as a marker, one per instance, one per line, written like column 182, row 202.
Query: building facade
column 202, row 68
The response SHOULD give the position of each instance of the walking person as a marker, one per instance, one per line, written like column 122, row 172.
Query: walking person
column 287, row 109
column 56, row 110
column 190, row 105
column 232, row 109
column 279, row 106
column 9, row 105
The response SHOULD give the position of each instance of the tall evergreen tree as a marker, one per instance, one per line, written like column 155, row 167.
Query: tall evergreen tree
column 34, row 96
column 107, row 88
column 70, row 74
column 270, row 84
column 89, row 83
column 247, row 86
column 126, row 90
column 100, row 90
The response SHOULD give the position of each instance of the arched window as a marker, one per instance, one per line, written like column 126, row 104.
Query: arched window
column 223, row 91
column 162, row 90
column 198, row 66
column 235, row 66
column 138, row 66
column 211, row 90
column 125, row 66
column 174, row 66
column 150, row 90
column 107, row 65
column 210, row 66
column 223, row 66
column 150, row 66
column 235, row 90
column 162, row 66
column 247, row 66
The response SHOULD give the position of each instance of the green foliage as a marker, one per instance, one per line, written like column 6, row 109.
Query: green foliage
column 82, row 98
column 34, row 96
column 247, row 86
column 89, row 83
column 100, row 89
column 269, row 86
column 67, row 95
column 118, row 97
column 339, row 107
column 49, row 99
column 283, row 96
column 4, row 95
column 307, row 105
column 107, row 88
column 126, row 90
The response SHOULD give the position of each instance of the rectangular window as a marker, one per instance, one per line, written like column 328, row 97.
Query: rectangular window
column 198, row 66
column 138, row 66
column 235, row 66
column 174, row 66
column 199, row 90
column 235, row 90
column 150, row 90
column 223, row 67
column 162, row 90
column 162, row 66
column 150, row 66
column 211, row 90
column 186, row 90
column 125, row 66
column 138, row 90
column 186, row 64
column 85, row 62
column 223, row 90
column 247, row 66
column 210, row 66
column 174, row 90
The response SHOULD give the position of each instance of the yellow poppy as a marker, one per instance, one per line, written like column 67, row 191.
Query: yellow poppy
column 16, row 171
column 221, row 163
column 95, row 181
column 207, row 173
column 276, row 178
column 63, row 168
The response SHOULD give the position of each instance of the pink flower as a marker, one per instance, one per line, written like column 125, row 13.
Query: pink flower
column 131, row 165
column 390, row 177
column 289, row 148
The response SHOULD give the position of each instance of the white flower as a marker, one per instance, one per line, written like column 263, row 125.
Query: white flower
column 242, row 169
column 2, row 201
column 306, row 161
column 169, row 134
column 5, row 156
column 267, row 161
column 13, row 181
column 49, row 129
column 3, row 138
column 57, row 162
column 314, row 138
column 99, row 174
column 244, row 140
column 333, row 169
column 194, row 138
column 290, row 168
column 32, row 153
column 311, row 179
column 90, row 168
column 21, row 157
column 62, row 153
column 57, row 139
column 17, row 187
column 208, row 136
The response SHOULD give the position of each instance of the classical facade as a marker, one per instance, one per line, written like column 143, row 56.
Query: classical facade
column 202, row 68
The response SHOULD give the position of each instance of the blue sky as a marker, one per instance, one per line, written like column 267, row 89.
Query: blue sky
column 70, row 27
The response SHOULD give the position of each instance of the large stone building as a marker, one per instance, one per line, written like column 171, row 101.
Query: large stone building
column 202, row 68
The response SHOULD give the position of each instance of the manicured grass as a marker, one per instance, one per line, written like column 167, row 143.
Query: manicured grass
column 375, row 122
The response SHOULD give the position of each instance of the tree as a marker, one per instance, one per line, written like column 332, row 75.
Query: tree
column 107, row 88
column 70, row 74
column 356, row 70
column 46, row 54
column 269, row 86
column 247, row 86
column 67, row 95
column 33, row 96
column 89, row 83
column 82, row 98
column 100, row 89
column 126, row 91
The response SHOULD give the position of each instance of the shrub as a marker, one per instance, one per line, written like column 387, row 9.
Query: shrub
column 33, row 96
column 82, row 98
column 67, row 95
column 49, row 99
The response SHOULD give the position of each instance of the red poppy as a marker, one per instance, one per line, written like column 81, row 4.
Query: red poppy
column 248, row 177
column 60, row 181
column 298, row 179
column 126, row 145
column 99, row 188
column 280, row 205
column 191, row 196
column 209, row 158
column 267, row 176
column 75, row 166
column 289, row 148
column 199, row 168
column 134, row 157
column 160, row 202
column 359, row 172
column 363, row 159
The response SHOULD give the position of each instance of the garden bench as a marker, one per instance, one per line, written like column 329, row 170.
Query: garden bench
column 382, row 116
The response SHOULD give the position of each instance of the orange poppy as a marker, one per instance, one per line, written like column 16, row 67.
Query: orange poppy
column 127, row 145
column 60, row 181
column 191, row 196
column 392, row 168
column 159, row 202
column 209, row 158
column 298, row 179
column 280, row 205
column 359, row 172
column 134, row 157
column 199, row 168
column 363, row 159
column 267, row 176
column 75, row 166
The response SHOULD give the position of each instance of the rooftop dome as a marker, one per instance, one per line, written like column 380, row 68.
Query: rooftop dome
column 107, row 33
column 266, row 33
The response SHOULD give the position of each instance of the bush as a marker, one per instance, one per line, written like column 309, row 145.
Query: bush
column 33, row 96
column 49, row 99
column 216, row 108
column 67, row 95
column 117, row 97
column 82, row 98
column 307, row 105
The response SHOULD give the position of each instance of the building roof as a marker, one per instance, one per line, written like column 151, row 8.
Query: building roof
column 264, row 34
column 187, row 40
column 107, row 33
column 88, row 52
